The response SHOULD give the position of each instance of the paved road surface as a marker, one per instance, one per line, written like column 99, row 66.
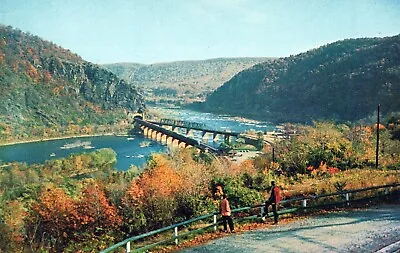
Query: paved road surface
column 367, row 230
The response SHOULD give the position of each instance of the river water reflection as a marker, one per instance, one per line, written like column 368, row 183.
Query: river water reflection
column 129, row 150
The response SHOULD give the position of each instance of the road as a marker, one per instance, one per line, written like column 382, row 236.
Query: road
column 366, row 230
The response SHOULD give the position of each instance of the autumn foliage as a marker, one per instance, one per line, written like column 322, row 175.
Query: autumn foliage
column 53, row 218
column 82, row 202
column 97, row 215
column 57, row 217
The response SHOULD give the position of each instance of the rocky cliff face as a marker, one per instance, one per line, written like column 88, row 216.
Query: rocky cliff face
column 96, row 84
column 45, row 86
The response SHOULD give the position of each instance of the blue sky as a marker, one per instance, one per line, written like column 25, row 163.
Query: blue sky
column 150, row 31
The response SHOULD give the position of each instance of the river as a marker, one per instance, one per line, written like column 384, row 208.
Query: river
column 129, row 150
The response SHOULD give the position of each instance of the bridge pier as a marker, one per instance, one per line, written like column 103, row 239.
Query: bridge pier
column 206, row 136
column 154, row 135
column 169, row 140
column 215, row 137
column 175, row 143
column 164, row 138
column 148, row 132
column 189, row 132
column 159, row 136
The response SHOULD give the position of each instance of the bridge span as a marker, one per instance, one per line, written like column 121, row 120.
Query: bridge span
column 190, row 127
column 154, row 131
column 166, row 131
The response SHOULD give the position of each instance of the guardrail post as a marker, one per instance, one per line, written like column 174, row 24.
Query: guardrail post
column 128, row 247
column 215, row 222
column 262, row 211
column 176, row 235
column 386, row 191
column 304, row 204
column 347, row 196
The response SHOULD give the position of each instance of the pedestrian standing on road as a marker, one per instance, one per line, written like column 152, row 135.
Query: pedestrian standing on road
column 273, row 200
column 225, row 210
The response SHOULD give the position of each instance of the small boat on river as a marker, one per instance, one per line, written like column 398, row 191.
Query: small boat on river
column 77, row 144
column 145, row 144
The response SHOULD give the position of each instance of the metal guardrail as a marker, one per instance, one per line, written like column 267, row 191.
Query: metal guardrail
column 344, row 198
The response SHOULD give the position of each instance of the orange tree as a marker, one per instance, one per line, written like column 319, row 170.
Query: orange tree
column 133, row 209
column 99, row 222
column 157, row 186
column 170, row 189
column 53, row 219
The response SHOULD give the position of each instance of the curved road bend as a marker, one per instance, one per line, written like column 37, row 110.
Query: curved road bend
column 368, row 230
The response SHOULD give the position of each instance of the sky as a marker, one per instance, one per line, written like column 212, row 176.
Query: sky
column 151, row 31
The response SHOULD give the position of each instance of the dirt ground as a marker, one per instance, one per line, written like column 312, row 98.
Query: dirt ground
column 363, row 230
column 242, row 156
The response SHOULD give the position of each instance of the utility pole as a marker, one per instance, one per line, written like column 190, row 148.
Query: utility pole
column 377, row 141
column 273, row 154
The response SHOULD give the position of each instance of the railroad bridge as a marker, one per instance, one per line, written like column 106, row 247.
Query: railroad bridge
column 190, row 127
column 156, row 131
column 167, row 131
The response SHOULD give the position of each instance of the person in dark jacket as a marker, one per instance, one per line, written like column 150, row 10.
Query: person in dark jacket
column 225, row 210
column 273, row 200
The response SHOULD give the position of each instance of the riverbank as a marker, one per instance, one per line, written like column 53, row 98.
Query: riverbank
column 128, row 149
column 60, row 138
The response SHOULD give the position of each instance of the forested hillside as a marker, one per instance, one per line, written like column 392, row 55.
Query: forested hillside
column 342, row 81
column 182, row 82
column 46, row 90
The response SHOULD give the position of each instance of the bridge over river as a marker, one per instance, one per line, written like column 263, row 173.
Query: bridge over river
column 156, row 131
column 167, row 131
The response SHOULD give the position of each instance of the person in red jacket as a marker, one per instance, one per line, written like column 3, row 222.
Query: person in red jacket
column 225, row 210
column 274, row 198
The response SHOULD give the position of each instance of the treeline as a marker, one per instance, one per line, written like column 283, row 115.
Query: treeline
column 81, row 203
column 343, row 81
column 182, row 82
column 107, row 125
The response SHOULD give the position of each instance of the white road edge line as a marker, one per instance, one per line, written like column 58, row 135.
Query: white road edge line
column 390, row 248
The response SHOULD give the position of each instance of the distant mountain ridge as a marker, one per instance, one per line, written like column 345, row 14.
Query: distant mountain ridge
column 342, row 81
column 182, row 82
column 45, row 86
